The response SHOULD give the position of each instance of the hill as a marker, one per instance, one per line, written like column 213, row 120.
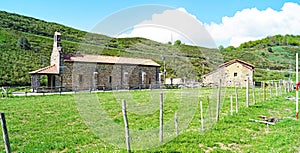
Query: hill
column 17, row 62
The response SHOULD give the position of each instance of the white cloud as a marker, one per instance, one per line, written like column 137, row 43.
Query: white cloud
column 253, row 24
column 173, row 25
column 247, row 24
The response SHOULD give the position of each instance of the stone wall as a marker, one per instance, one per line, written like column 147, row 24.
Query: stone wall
column 235, row 74
column 67, row 75
column 91, row 75
column 35, row 82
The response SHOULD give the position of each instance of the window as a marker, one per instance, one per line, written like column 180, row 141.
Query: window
column 58, row 38
column 110, row 79
column 95, row 79
column 143, row 77
column 95, row 74
column 80, row 78
column 235, row 74
column 125, row 77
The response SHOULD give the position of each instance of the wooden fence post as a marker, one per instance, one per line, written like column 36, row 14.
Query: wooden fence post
column 247, row 93
column 291, row 85
column 253, row 93
column 276, row 88
column 6, row 92
column 176, row 123
column 284, row 85
column 209, row 109
column 236, row 100
column 289, row 90
column 218, row 101
column 127, row 136
column 297, row 93
column 5, row 133
column 264, row 88
column 280, row 87
column 270, row 89
column 201, row 116
column 261, row 92
column 231, row 109
column 288, row 86
column 161, row 117
column 2, row 92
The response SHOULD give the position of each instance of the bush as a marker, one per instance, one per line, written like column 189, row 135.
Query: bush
column 23, row 43
column 270, row 50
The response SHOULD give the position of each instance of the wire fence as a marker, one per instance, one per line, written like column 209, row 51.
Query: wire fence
column 257, row 92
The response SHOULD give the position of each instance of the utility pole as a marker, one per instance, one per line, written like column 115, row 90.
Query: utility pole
column 291, row 69
column 164, row 59
column 297, row 94
column 202, row 69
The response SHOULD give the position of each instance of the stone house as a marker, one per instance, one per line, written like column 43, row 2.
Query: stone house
column 85, row 71
column 232, row 73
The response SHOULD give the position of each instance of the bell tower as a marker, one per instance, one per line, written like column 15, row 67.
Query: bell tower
column 57, row 55
column 57, row 41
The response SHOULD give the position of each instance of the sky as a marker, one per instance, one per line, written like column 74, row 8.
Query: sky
column 227, row 22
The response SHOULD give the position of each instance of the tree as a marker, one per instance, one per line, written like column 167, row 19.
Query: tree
column 270, row 50
column 23, row 43
column 221, row 48
column 177, row 43
column 229, row 48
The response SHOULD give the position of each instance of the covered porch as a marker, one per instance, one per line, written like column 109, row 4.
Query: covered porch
column 53, row 79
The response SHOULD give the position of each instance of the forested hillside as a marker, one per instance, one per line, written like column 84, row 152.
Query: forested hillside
column 26, row 45
column 273, row 56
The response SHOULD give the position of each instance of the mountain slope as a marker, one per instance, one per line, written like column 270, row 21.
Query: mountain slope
column 15, row 63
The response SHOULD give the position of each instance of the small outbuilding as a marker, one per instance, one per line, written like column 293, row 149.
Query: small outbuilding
column 232, row 73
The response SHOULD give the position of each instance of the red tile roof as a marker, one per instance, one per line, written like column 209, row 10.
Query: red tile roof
column 108, row 59
column 46, row 70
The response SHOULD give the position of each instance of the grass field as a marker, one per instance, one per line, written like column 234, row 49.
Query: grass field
column 57, row 123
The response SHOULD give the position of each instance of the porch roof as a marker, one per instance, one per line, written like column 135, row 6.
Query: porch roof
column 46, row 70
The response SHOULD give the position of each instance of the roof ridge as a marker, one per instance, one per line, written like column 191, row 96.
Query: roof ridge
column 92, row 58
column 236, row 60
column 112, row 56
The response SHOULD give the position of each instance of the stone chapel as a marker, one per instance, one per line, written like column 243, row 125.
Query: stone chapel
column 86, row 71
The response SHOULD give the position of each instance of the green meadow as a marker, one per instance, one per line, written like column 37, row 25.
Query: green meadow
column 57, row 123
